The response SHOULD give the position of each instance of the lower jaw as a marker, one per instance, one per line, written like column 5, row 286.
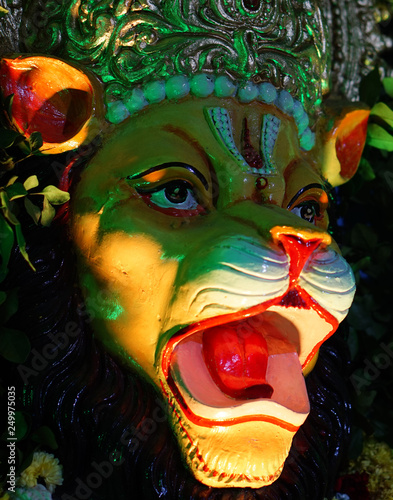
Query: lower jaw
column 227, row 442
column 246, row 454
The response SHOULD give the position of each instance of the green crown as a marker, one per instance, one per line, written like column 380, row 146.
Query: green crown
column 128, row 43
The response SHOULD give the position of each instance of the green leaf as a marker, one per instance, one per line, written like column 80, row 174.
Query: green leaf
column 366, row 399
column 21, row 425
column 378, row 138
column 364, row 237
column 48, row 213
column 14, row 345
column 370, row 88
column 35, row 141
column 388, row 86
column 6, row 243
column 55, row 196
column 357, row 316
column 3, row 12
column 15, row 191
column 45, row 437
column 7, row 207
column 12, row 180
column 366, row 170
column 363, row 263
column 31, row 182
column 389, row 179
column 353, row 342
column 356, row 443
column 25, row 460
column 22, row 245
column 6, row 162
column 383, row 111
column 8, row 138
column 32, row 210
column 8, row 105
column 375, row 330
column 3, row 297
column 10, row 306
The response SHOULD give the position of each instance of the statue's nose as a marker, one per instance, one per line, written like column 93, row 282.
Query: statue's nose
column 299, row 244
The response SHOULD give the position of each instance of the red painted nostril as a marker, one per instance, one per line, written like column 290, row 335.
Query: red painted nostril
column 299, row 251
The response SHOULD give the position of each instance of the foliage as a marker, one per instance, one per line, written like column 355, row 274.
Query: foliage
column 10, row 225
column 17, row 197
column 380, row 129
column 366, row 208
column 376, row 462
column 14, row 197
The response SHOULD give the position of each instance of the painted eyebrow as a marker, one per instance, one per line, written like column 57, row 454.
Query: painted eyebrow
column 169, row 164
column 306, row 188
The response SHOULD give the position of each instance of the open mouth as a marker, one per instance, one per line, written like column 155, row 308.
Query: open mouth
column 248, row 367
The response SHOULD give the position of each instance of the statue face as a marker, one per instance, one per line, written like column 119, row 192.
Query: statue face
column 214, row 280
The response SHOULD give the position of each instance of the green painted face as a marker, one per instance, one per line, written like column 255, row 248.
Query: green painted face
column 183, row 238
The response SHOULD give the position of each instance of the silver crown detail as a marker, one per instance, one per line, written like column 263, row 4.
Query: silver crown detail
column 128, row 43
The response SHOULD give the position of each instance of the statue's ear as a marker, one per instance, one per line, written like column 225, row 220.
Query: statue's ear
column 54, row 98
column 342, row 135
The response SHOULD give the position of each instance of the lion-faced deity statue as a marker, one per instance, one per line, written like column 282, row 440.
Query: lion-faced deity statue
column 203, row 275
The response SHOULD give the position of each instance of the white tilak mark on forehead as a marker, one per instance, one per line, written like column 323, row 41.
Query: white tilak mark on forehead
column 221, row 124
column 270, row 128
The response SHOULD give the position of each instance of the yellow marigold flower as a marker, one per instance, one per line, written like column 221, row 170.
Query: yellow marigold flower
column 47, row 467
column 377, row 461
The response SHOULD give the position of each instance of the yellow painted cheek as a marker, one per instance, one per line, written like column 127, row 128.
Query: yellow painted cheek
column 132, row 268
column 136, row 283
column 84, row 230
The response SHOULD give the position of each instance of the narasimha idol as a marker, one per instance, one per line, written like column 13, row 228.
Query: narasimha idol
column 182, row 303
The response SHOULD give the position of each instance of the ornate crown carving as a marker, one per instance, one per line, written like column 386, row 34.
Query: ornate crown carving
column 129, row 42
column 306, row 47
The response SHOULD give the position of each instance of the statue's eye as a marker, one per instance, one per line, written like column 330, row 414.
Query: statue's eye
column 177, row 197
column 308, row 210
column 173, row 188
column 311, row 203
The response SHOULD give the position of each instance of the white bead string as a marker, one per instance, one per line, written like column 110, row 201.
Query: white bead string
column 203, row 85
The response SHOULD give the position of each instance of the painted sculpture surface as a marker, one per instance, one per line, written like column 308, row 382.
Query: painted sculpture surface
column 202, row 217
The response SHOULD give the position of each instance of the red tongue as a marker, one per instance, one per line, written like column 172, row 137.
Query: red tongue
column 236, row 356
